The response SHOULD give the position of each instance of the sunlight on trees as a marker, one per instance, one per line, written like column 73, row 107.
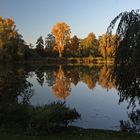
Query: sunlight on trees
column 61, row 32
column 10, row 40
column 89, row 45
column 107, row 45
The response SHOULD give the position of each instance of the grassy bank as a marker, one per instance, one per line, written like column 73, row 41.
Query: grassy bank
column 73, row 133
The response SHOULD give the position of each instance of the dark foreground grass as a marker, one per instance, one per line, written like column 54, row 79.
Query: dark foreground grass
column 73, row 133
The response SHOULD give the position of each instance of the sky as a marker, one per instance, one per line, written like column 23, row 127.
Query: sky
column 35, row 18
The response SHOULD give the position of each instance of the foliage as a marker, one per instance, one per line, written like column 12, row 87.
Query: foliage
column 10, row 39
column 107, row 46
column 52, row 116
column 89, row 45
column 49, row 46
column 40, row 46
column 128, row 31
column 61, row 32
column 39, row 119
column 18, row 113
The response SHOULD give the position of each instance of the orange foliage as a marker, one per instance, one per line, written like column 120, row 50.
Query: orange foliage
column 107, row 46
column 7, row 28
column 61, row 32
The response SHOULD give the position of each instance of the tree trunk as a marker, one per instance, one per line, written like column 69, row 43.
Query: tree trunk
column 60, row 54
column 105, row 55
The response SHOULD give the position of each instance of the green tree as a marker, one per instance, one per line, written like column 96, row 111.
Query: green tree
column 74, row 45
column 49, row 45
column 40, row 46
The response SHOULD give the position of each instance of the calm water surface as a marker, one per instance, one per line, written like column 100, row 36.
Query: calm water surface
column 103, row 99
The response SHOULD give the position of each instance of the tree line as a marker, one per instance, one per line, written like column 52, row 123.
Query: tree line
column 123, row 45
column 58, row 43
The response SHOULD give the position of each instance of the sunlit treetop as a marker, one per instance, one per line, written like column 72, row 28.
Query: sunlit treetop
column 61, row 32
column 7, row 28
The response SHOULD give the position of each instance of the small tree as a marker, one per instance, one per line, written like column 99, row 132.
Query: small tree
column 40, row 46
column 74, row 44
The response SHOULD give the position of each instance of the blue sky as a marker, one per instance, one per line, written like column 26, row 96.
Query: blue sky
column 36, row 17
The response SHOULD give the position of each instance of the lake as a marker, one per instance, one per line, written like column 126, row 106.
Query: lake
column 105, row 98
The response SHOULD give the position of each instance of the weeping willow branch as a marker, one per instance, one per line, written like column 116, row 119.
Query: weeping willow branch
column 128, row 33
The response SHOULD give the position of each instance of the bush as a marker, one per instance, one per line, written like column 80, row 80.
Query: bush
column 45, row 118
column 52, row 116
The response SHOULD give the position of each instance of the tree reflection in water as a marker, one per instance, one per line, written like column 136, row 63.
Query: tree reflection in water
column 61, row 88
column 127, row 78
column 16, row 90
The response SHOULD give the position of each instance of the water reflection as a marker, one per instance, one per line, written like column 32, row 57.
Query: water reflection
column 15, row 94
column 13, row 84
column 15, row 88
column 128, row 84
column 61, row 88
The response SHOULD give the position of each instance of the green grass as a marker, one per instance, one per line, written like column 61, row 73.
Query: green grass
column 75, row 134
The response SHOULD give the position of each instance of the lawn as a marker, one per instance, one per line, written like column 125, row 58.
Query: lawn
column 75, row 134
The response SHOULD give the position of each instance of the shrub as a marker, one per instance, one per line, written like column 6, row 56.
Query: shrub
column 52, row 116
column 37, row 119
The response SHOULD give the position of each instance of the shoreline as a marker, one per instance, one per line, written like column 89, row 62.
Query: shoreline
column 73, row 133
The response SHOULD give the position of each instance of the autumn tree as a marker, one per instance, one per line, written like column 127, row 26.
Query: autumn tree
column 10, row 39
column 89, row 45
column 61, row 32
column 107, row 45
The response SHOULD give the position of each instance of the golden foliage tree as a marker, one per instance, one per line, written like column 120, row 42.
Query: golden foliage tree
column 61, row 32
column 7, row 31
column 107, row 45
column 89, row 45
column 10, row 39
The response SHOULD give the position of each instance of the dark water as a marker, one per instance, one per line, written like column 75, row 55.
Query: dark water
column 105, row 96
